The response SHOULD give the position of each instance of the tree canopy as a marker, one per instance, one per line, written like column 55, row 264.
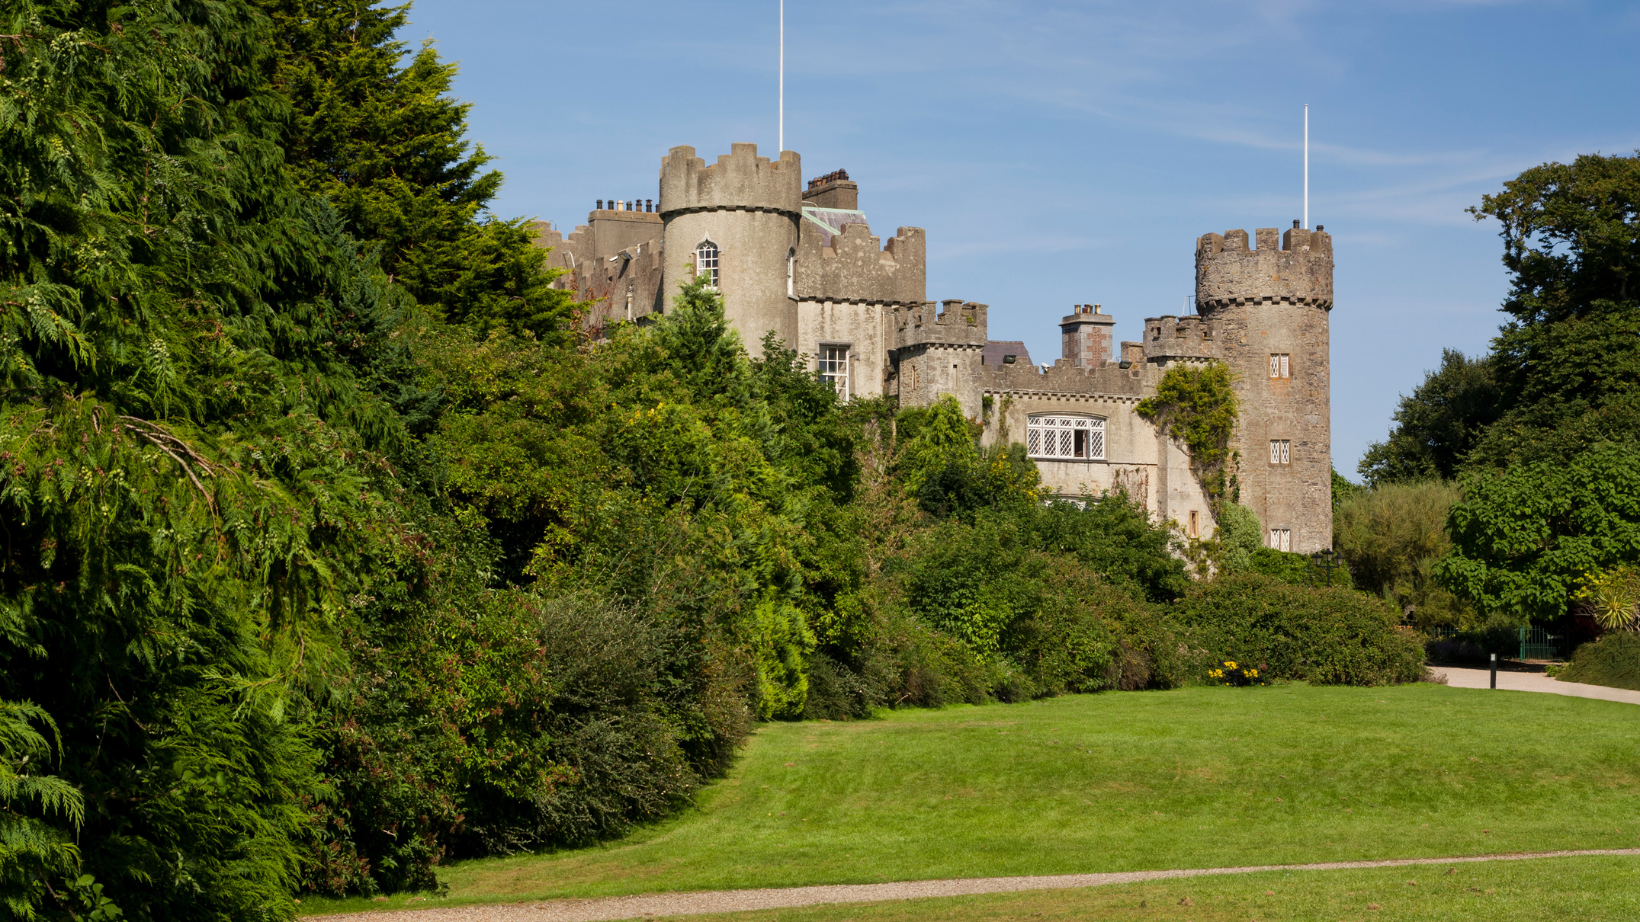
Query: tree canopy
column 1531, row 428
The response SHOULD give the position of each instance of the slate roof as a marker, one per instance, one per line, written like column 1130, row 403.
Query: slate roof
column 995, row 350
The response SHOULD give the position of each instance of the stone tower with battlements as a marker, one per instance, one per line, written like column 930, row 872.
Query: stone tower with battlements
column 1268, row 307
column 802, row 263
column 746, row 209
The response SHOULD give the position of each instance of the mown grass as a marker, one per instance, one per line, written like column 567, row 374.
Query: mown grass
column 1551, row 890
column 1200, row 777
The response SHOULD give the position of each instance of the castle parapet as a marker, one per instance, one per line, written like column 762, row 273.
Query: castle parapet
column 1170, row 337
column 739, row 181
column 1298, row 271
column 855, row 268
column 948, row 323
column 1065, row 378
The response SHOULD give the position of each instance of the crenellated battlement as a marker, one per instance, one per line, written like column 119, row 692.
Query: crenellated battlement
column 1067, row 379
column 1172, row 337
column 739, row 181
column 857, row 268
column 1296, row 267
column 950, row 323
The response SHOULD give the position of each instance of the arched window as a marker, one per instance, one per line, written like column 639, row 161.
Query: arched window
column 706, row 262
column 791, row 273
column 1065, row 437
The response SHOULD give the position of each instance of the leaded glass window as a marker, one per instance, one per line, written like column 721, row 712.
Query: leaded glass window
column 1065, row 437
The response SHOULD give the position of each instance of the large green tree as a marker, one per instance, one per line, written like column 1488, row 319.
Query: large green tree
column 1438, row 424
column 1564, row 372
column 193, row 481
column 1567, row 365
column 1526, row 538
column 385, row 141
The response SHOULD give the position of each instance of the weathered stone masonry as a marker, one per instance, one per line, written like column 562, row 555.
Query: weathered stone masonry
column 804, row 264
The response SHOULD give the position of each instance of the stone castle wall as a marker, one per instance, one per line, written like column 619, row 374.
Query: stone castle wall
column 1151, row 468
column 1275, row 299
column 749, row 206
column 821, row 278
column 857, row 267
column 937, row 348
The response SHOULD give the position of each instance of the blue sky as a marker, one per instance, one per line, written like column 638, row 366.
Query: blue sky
column 1071, row 152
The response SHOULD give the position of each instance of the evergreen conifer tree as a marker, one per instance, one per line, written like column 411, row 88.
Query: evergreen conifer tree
column 386, row 143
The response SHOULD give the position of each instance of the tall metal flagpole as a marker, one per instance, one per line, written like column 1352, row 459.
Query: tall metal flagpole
column 1306, row 163
column 782, row 138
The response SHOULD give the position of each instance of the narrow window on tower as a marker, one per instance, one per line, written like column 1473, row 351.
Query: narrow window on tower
column 1280, row 365
column 834, row 369
column 791, row 273
column 706, row 262
column 1281, row 539
column 1281, row 451
column 1195, row 524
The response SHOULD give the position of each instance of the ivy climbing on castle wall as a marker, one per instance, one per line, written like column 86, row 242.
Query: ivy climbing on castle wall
column 1196, row 404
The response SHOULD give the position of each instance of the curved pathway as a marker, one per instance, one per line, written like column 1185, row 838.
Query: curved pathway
column 1508, row 680
column 650, row 905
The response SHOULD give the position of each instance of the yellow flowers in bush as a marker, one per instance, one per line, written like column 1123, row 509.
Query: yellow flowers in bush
column 1233, row 673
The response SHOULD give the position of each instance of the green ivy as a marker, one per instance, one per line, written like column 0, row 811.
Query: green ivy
column 1196, row 404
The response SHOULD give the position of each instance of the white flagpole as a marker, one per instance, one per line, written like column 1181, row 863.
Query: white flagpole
column 1306, row 165
column 782, row 138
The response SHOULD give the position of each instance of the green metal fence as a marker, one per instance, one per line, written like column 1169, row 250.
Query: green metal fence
column 1534, row 642
column 1537, row 643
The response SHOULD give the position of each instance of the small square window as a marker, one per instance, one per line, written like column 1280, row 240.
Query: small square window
column 1281, row 539
column 1281, row 451
column 1281, row 365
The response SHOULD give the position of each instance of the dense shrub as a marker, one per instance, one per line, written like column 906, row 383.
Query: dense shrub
column 1612, row 661
column 1392, row 535
column 1039, row 623
column 1328, row 636
column 1476, row 645
column 1525, row 538
column 1087, row 635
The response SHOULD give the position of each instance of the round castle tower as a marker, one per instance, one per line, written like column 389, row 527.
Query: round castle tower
column 748, row 209
column 1269, row 306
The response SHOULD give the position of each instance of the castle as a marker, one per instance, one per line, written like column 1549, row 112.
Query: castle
column 802, row 262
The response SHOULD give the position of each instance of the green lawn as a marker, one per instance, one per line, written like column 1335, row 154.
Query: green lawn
column 1199, row 777
column 1554, row 890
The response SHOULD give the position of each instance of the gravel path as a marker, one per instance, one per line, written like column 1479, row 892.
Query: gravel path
column 691, row 904
column 1533, row 682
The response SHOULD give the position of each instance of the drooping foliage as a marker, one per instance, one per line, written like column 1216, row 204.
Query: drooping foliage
column 193, row 478
column 35, row 855
column 1196, row 404
column 1393, row 536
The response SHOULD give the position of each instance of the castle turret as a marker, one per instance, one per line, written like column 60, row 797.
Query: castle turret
column 937, row 347
column 736, row 219
column 1268, row 309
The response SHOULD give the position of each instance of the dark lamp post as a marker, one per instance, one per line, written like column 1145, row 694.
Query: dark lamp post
column 1326, row 561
